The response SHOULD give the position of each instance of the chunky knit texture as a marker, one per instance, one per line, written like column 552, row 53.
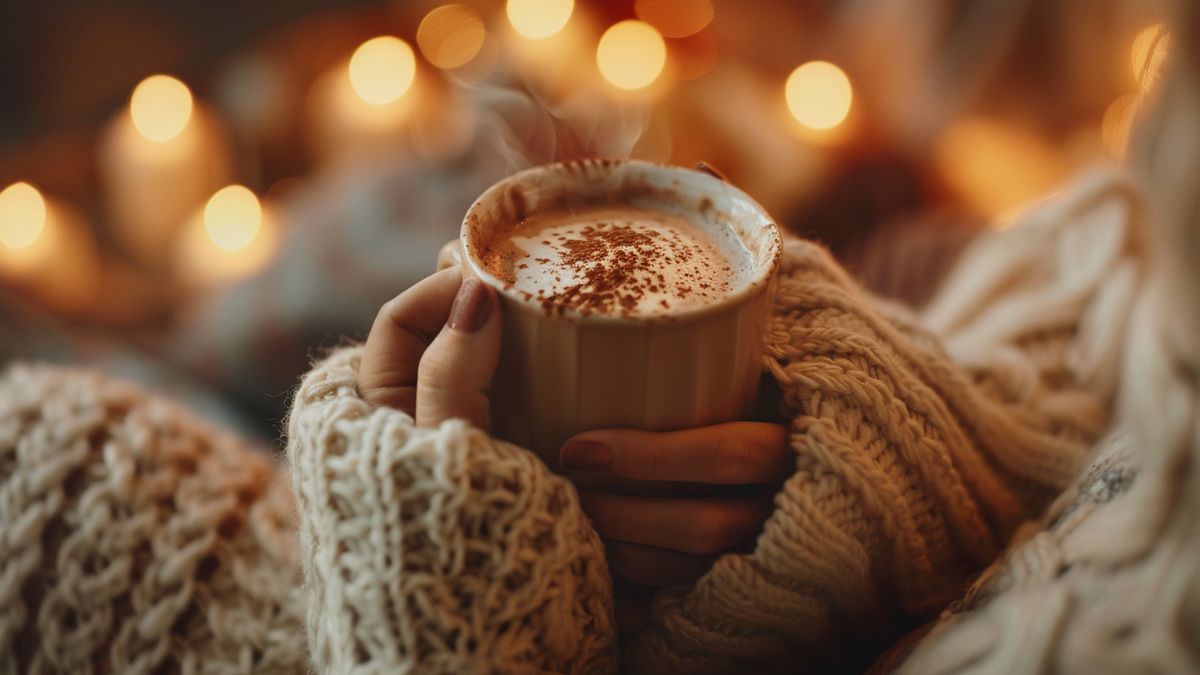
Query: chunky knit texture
column 133, row 536
column 1111, row 582
column 912, row 472
column 438, row 550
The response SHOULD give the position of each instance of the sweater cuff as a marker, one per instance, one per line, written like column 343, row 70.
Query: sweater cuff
column 437, row 549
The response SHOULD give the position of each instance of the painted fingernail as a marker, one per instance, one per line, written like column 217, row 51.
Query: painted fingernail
column 585, row 456
column 472, row 306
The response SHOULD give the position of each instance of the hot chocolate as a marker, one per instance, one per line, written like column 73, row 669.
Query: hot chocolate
column 618, row 261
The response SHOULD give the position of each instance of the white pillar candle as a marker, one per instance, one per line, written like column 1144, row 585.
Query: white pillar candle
column 159, row 157
column 46, row 249
column 549, row 44
column 362, row 106
column 231, row 237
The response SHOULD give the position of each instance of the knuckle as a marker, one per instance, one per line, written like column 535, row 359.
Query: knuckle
column 437, row 367
column 714, row 529
column 737, row 460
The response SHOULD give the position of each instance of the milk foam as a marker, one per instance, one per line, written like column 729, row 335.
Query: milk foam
column 619, row 261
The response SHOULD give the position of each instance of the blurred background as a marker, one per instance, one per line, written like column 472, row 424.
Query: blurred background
column 203, row 196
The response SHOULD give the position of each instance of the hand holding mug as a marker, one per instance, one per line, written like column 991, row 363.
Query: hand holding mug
column 432, row 350
column 656, row 542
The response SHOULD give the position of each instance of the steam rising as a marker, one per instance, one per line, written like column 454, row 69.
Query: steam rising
column 527, row 130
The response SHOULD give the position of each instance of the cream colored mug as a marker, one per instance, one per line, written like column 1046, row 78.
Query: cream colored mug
column 564, row 373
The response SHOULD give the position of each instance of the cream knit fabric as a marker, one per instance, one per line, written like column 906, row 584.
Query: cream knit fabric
column 1112, row 584
column 438, row 550
column 911, row 475
column 912, row 470
column 134, row 537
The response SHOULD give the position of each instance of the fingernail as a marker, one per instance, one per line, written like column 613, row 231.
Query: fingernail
column 585, row 455
column 472, row 306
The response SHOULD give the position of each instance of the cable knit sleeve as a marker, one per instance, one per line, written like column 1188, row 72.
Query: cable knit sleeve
column 921, row 443
column 437, row 550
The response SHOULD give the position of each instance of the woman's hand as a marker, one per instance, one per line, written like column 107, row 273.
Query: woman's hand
column 432, row 350
column 655, row 542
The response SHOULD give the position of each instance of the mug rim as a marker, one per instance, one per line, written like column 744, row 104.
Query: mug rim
column 756, row 285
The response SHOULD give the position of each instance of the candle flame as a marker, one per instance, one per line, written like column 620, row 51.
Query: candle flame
column 631, row 54
column 382, row 70
column 539, row 19
column 22, row 215
column 232, row 218
column 160, row 107
column 450, row 36
column 819, row 95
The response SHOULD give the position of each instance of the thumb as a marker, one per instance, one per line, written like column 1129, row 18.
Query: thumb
column 456, row 368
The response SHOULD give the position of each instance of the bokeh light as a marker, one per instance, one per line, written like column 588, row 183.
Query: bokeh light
column 1143, row 46
column 1118, row 122
column 675, row 18
column 996, row 166
column 539, row 19
column 382, row 69
column 819, row 95
column 450, row 36
column 22, row 215
column 631, row 54
column 232, row 218
column 160, row 107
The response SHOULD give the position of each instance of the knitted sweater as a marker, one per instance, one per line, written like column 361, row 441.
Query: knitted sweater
column 136, row 537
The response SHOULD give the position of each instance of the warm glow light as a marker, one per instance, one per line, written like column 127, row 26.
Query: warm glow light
column 450, row 36
column 160, row 107
column 539, row 19
column 22, row 215
column 631, row 54
column 382, row 69
column 1117, row 123
column 232, row 218
column 1144, row 46
column 675, row 18
column 996, row 167
column 819, row 95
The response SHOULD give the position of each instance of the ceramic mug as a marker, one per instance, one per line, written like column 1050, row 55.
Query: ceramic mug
column 561, row 373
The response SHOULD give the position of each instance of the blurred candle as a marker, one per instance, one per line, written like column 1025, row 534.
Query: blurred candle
column 46, row 248
column 360, row 106
column 160, row 157
column 231, row 237
column 818, row 95
column 549, row 44
column 451, row 36
column 996, row 167
column 538, row 19
column 631, row 55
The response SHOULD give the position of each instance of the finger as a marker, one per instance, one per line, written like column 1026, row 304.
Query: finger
column 455, row 370
column 734, row 453
column 655, row 566
column 404, row 327
column 699, row 526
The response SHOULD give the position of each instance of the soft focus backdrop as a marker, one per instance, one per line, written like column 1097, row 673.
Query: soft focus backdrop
column 200, row 196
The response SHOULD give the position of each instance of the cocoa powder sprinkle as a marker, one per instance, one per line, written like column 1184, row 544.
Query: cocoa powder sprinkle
column 612, row 264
